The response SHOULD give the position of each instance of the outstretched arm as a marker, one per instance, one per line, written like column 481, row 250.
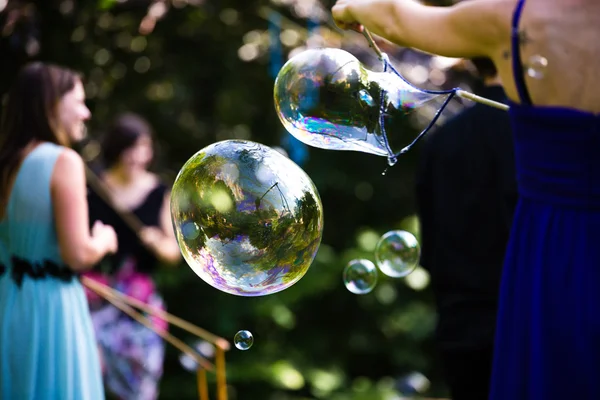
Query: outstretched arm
column 467, row 29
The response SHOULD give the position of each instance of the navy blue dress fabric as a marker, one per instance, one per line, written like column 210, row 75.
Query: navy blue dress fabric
column 548, row 329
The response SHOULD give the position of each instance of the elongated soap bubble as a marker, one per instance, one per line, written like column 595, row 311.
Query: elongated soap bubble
column 247, row 219
column 326, row 98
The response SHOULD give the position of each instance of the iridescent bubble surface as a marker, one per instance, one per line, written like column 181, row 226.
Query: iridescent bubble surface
column 326, row 98
column 247, row 219
column 536, row 66
column 190, row 230
column 243, row 340
column 360, row 276
column 397, row 253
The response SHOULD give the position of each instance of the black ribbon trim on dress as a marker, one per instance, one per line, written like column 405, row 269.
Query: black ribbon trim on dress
column 45, row 269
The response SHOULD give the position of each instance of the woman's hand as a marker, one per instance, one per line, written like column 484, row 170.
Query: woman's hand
column 106, row 234
column 161, row 244
column 343, row 16
column 152, row 237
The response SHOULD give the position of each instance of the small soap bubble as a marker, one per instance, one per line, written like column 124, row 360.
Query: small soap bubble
column 243, row 340
column 414, row 383
column 536, row 67
column 360, row 276
column 397, row 253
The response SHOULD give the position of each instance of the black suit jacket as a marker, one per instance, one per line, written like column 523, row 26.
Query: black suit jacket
column 466, row 194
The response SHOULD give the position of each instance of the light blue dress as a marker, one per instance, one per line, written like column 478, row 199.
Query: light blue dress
column 47, row 344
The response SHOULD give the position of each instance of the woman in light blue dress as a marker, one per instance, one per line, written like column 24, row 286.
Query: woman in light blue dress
column 47, row 344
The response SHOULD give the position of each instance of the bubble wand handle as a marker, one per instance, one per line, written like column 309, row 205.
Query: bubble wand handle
column 372, row 43
column 482, row 100
column 460, row 93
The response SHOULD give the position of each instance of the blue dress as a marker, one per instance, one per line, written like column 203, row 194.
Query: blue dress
column 548, row 328
column 47, row 345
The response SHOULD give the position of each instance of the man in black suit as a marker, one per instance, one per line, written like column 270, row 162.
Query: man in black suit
column 466, row 194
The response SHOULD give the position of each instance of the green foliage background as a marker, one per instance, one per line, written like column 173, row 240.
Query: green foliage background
column 315, row 340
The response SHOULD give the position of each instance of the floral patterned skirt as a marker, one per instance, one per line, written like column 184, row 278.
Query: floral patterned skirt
column 131, row 354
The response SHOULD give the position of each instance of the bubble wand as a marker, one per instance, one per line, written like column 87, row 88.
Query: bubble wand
column 326, row 98
column 459, row 92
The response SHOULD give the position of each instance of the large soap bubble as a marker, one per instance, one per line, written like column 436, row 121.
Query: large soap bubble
column 248, row 220
column 326, row 98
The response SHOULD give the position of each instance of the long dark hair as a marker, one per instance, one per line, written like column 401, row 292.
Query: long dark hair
column 122, row 134
column 31, row 113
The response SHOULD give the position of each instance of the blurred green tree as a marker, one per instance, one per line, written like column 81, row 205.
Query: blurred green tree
column 198, row 71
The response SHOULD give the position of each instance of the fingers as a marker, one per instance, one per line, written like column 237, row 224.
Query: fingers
column 112, row 239
column 357, row 27
column 343, row 18
column 107, row 235
column 97, row 228
column 97, row 224
column 151, row 235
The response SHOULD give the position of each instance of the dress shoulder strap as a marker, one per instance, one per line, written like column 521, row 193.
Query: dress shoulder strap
column 517, row 64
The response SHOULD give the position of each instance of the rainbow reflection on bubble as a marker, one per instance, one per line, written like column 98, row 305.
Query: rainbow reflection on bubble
column 247, row 219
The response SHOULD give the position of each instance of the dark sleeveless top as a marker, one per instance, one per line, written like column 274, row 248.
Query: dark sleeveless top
column 148, row 213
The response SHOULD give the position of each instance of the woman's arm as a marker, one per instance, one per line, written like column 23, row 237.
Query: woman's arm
column 162, row 240
column 467, row 29
column 79, row 249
